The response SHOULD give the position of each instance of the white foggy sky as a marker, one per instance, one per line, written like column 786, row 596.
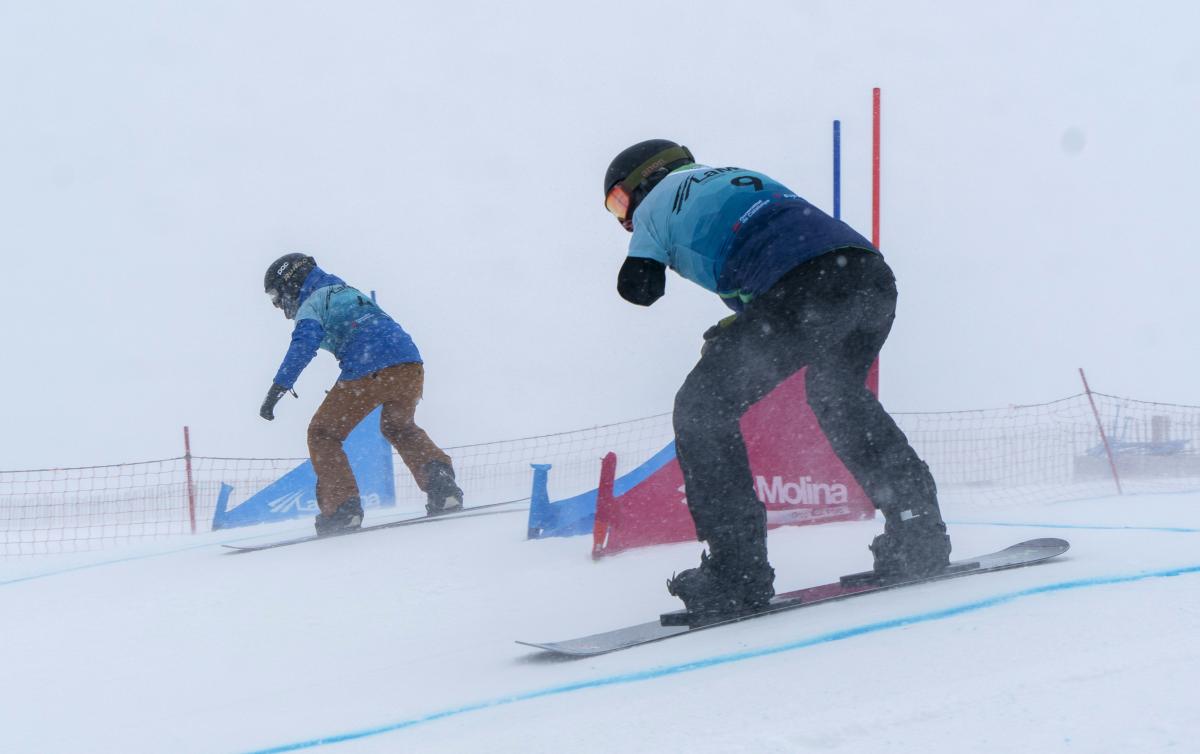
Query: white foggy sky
column 155, row 157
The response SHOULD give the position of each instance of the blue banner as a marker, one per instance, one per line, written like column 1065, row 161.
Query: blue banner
column 294, row 495
column 577, row 515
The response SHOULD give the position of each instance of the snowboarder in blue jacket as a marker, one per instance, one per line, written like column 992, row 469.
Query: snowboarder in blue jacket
column 806, row 290
column 380, row 367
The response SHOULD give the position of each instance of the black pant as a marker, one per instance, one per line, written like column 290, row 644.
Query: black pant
column 831, row 314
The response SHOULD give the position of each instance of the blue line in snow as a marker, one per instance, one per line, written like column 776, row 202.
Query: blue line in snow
column 127, row 559
column 214, row 544
column 99, row 564
column 1173, row 529
column 669, row 670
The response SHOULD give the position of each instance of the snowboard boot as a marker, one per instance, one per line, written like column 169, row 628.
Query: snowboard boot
column 348, row 517
column 723, row 588
column 911, row 546
column 444, row 496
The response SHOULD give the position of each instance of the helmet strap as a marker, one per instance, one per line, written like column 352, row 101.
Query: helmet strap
column 655, row 163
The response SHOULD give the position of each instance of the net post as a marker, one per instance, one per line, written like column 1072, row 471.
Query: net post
column 191, row 487
column 1112, row 461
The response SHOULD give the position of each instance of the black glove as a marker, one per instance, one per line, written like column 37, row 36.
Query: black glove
column 268, row 407
column 642, row 281
column 716, row 330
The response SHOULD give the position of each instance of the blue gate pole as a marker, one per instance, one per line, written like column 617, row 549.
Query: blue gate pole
column 837, row 170
column 539, row 501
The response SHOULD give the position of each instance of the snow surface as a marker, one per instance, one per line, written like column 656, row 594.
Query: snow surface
column 403, row 640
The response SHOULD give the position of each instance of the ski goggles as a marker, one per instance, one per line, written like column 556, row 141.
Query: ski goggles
column 619, row 200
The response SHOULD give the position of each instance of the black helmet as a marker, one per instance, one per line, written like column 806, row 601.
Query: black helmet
column 284, row 278
column 638, row 169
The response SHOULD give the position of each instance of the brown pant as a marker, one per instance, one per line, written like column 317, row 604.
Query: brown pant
column 397, row 388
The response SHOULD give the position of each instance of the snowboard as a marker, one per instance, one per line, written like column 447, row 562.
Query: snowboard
column 677, row 623
column 473, row 511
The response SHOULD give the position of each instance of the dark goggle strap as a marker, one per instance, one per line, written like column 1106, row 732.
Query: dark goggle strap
column 658, row 161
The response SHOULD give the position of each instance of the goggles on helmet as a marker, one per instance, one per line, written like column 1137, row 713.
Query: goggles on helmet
column 619, row 200
column 286, row 304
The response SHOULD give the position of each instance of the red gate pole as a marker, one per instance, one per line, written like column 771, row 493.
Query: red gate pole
column 875, row 160
column 873, row 373
column 191, row 488
column 1112, row 461
column 605, row 505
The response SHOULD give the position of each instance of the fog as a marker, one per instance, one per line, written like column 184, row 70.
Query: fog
column 1037, row 187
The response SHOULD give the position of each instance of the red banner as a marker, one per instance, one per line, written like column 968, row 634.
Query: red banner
column 796, row 475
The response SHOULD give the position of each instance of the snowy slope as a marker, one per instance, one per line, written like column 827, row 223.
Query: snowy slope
column 402, row 640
